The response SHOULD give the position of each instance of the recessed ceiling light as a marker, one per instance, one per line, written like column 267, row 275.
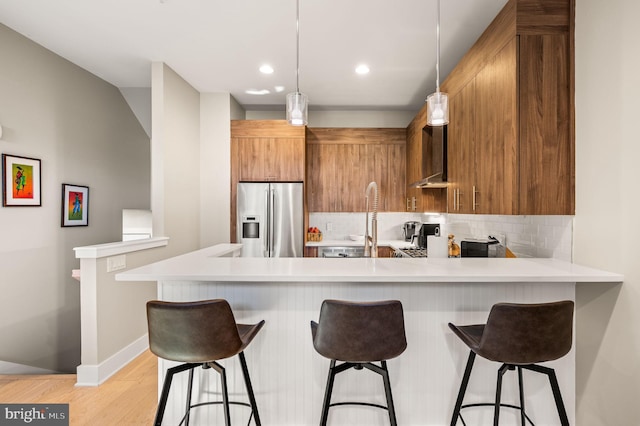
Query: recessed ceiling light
column 362, row 69
column 266, row 69
column 279, row 88
column 257, row 92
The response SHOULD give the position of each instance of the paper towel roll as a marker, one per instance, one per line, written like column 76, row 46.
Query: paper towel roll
column 437, row 246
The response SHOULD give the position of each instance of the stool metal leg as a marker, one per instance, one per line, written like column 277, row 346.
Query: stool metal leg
column 521, row 389
column 557, row 396
column 225, row 394
column 247, row 382
column 463, row 388
column 166, row 387
column 387, row 391
column 496, row 414
column 327, row 393
column 189, row 392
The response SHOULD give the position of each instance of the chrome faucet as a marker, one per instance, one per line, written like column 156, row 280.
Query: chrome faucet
column 371, row 241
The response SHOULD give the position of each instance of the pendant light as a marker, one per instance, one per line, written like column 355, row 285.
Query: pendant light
column 438, row 102
column 297, row 102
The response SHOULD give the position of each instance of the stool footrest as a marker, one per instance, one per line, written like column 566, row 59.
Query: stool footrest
column 367, row 404
column 492, row 404
column 200, row 404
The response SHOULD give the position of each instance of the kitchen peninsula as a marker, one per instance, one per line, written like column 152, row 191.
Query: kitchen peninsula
column 289, row 376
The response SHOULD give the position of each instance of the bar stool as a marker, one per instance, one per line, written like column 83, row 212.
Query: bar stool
column 358, row 334
column 519, row 336
column 199, row 334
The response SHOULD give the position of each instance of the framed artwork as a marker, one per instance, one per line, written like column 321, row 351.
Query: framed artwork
column 75, row 205
column 21, row 181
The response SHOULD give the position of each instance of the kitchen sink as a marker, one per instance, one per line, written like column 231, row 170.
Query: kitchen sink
column 347, row 251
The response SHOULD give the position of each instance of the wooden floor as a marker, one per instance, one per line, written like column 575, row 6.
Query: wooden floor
column 127, row 398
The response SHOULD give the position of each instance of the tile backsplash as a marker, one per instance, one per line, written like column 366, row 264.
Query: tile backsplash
column 526, row 236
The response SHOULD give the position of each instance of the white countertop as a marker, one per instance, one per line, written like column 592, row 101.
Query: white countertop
column 203, row 265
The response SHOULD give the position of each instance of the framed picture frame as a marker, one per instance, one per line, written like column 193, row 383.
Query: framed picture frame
column 21, row 181
column 75, row 205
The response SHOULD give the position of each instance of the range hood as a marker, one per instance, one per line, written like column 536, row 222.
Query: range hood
column 434, row 158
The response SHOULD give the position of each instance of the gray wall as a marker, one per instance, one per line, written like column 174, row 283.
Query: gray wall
column 85, row 133
column 606, row 227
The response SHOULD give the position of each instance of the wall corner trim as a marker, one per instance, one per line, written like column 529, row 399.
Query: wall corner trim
column 95, row 375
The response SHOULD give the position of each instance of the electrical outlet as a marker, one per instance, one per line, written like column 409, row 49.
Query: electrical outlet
column 115, row 263
column 329, row 226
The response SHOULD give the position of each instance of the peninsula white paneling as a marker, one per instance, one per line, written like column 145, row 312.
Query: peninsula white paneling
column 289, row 376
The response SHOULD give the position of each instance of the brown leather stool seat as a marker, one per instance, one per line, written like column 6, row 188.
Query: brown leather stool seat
column 199, row 334
column 519, row 336
column 359, row 334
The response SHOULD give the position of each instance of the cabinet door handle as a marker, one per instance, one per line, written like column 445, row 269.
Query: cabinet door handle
column 408, row 204
column 413, row 203
column 456, row 199
column 474, row 198
column 455, row 203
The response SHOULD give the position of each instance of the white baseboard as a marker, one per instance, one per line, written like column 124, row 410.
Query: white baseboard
column 95, row 375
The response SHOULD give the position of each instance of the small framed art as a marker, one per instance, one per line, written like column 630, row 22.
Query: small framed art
column 21, row 181
column 75, row 205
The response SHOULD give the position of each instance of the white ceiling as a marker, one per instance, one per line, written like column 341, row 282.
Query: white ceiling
column 218, row 45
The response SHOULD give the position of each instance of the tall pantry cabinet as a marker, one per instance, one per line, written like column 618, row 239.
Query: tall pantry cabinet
column 511, row 137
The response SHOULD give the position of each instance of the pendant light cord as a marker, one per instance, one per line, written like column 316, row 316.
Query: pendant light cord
column 298, row 44
column 438, row 51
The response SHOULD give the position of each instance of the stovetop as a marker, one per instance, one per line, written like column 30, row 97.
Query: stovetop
column 411, row 252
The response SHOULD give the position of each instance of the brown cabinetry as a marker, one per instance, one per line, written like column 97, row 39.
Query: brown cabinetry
column 342, row 162
column 461, row 150
column 511, row 142
column 482, row 140
column 311, row 251
column 265, row 150
column 385, row 251
column 419, row 199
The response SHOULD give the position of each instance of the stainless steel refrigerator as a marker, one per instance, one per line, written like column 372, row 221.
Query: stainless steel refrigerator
column 270, row 220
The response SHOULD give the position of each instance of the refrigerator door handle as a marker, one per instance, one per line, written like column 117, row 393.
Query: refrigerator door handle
column 267, row 216
column 272, row 222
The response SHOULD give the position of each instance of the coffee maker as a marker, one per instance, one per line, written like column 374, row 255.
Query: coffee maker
column 409, row 229
column 425, row 230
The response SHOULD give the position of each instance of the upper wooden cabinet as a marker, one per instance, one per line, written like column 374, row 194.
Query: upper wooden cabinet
column 417, row 199
column 342, row 161
column 461, row 150
column 511, row 137
column 267, row 150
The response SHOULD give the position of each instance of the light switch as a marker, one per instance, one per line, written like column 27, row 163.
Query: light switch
column 115, row 263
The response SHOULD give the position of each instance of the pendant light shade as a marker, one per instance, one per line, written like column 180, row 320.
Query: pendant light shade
column 297, row 109
column 438, row 102
column 437, row 109
column 297, row 102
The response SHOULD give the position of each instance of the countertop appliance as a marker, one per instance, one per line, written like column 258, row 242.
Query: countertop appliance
column 427, row 229
column 489, row 247
column 409, row 229
column 270, row 221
